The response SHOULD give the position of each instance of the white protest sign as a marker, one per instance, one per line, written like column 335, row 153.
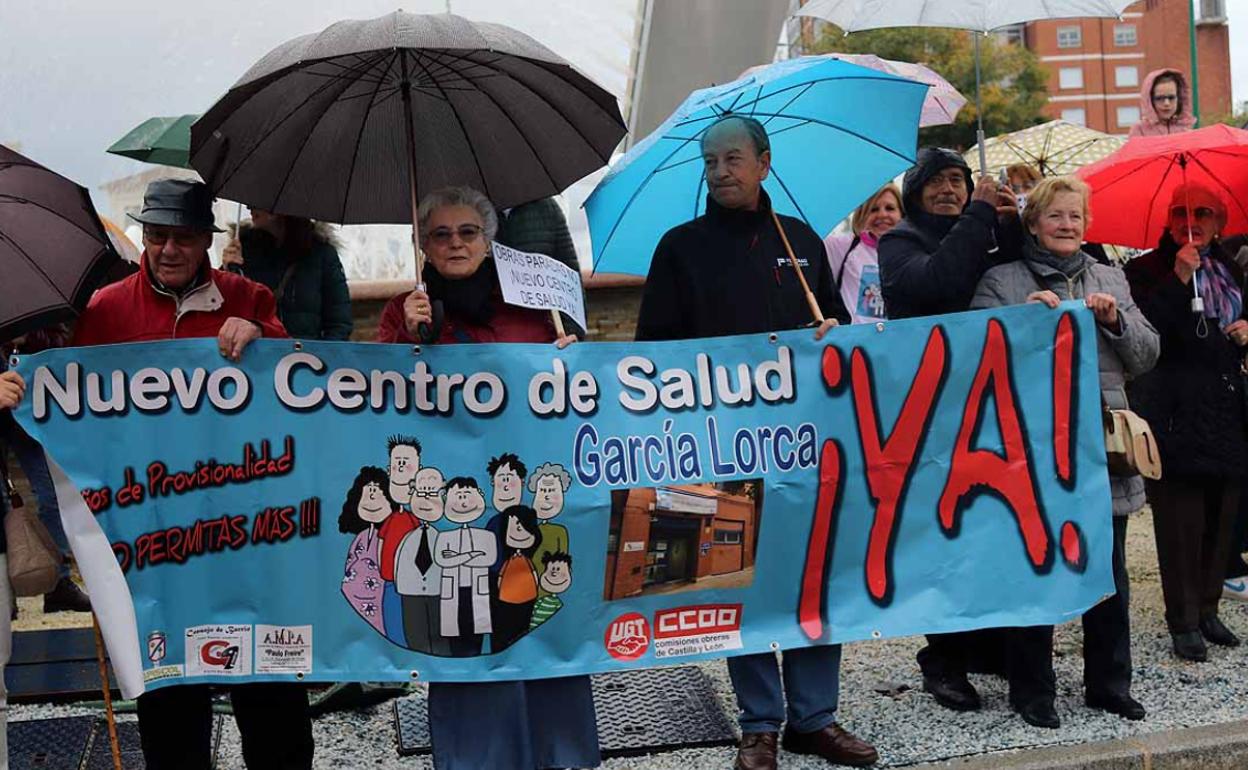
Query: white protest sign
column 538, row 281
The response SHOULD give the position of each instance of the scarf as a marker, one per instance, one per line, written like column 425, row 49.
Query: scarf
column 867, row 237
column 469, row 299
column 1067, row 266
column 1221, row 295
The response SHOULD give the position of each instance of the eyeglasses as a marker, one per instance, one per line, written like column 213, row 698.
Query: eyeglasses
column 185, row 239
column 426, row 493
column 1166, row 98
column 1201, row 212
column 467, row 233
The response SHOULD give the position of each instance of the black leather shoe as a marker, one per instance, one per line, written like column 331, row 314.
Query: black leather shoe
column 1123, row 705
column 1039, row 713
column 1212, row 628
column 1189, row 645
column 66, row 597
column 953, row 691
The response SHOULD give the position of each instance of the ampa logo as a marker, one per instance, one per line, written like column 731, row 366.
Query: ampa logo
column 628, row 636
column 697, row 620
column 219, row 653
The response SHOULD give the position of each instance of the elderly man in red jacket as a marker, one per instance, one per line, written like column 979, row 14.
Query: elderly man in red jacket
column 177, row 294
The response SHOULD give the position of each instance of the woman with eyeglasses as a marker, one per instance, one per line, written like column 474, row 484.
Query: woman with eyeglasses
column 1165, row 105
column 528, row 725
column 1194, row 401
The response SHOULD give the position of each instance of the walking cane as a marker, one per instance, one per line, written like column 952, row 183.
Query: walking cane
column 108, row 694
column 810, row 296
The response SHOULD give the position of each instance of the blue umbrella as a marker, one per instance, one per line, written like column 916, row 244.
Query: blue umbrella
column 838, row 131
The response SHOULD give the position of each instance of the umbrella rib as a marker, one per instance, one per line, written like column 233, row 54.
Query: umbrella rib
column 1152, row 202
column 464, row 129
column 247, row 155
column 1196, row 159
column 792, row 200
column 628, row 204
column 806, row 84
column 834, row 126
column 294, row 161
column 786, row 104
column 8, row 198
column 359, row 138
column 687, row 161
column 515, row 78
column 536, row 155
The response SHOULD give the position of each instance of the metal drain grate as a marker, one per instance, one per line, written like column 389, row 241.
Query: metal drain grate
column 49, row 744
column 652, row 710
column 639, row 712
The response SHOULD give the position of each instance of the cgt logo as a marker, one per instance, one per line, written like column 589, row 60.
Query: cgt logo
column 219, row 653
column 697, row 620
column 628, row 636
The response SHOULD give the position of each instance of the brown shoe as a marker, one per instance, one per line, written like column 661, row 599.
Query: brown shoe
column 757, row 751
column 834, row 743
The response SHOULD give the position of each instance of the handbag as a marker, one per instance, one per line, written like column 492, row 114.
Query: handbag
column 34, row 560
column 1130, row 446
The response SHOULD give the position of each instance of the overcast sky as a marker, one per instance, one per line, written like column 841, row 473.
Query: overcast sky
column 75, row 75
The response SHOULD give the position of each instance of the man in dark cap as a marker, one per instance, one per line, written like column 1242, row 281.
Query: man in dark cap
column 727, row 272
column 954, row 230
column 175, row 294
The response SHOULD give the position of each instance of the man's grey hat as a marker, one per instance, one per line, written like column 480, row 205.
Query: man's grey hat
column 177, row 203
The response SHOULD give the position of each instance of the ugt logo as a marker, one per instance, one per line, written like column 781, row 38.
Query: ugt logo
column 219, row 653
column 628, row 637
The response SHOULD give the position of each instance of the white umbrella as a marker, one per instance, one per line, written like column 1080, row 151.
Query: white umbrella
column 976, row 15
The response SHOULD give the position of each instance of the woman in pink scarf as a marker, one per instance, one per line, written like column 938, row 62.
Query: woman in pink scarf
column 853, row 259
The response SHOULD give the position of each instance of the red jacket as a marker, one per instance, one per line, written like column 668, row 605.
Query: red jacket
column 508, row 324
column 134, row 310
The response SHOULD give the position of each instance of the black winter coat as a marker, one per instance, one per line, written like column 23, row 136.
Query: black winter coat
column 727, row 273
column 1194, row 398
column 924, row 271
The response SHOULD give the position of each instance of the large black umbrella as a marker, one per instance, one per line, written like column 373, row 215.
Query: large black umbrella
column 54, row 250
column 351, row 124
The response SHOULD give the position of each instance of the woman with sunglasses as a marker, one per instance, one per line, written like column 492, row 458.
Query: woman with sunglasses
column 1165, row 105
column 529, row 725
column 1194, row 401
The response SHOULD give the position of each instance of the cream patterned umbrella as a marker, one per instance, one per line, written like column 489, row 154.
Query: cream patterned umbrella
column 1054, row 148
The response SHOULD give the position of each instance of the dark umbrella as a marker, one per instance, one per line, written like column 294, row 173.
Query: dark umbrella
column 54, row 250
column 348, row 124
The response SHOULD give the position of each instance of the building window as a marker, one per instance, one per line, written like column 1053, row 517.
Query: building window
column 1124, row 35
column 1069, row 37
column 1126, row 77
column 1015, row 33
column 727, row 537
column 1076, row 115
column 1128, row 116
column 1070, row 77
column 1212, row 10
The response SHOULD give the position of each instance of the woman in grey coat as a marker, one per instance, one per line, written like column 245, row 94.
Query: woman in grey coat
column 1053, row 269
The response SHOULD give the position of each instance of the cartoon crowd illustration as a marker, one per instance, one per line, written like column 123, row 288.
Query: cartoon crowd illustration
column 428, row 574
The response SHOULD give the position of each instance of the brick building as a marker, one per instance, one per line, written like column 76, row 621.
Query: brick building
column 677, row 534
column 1096, row 66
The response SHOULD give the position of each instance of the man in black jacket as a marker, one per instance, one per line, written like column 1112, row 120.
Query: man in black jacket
column 727, row 272
column 953, row 232
column 931, row 262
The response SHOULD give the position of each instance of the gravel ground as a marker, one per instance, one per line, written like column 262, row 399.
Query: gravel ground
column 910, row 728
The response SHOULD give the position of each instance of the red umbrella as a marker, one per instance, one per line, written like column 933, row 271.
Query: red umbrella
column 1131, row 189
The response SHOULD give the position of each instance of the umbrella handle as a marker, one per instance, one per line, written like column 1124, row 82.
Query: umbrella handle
column 801, row 277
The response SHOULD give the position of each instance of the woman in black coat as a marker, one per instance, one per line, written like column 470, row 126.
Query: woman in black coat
column 1194, row 401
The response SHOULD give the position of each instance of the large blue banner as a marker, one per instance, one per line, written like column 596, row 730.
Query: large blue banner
column 337, row 511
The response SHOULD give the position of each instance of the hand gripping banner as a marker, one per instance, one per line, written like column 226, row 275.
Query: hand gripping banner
column 348, row 512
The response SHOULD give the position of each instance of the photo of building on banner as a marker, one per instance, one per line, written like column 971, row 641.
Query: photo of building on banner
column 351, row 512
